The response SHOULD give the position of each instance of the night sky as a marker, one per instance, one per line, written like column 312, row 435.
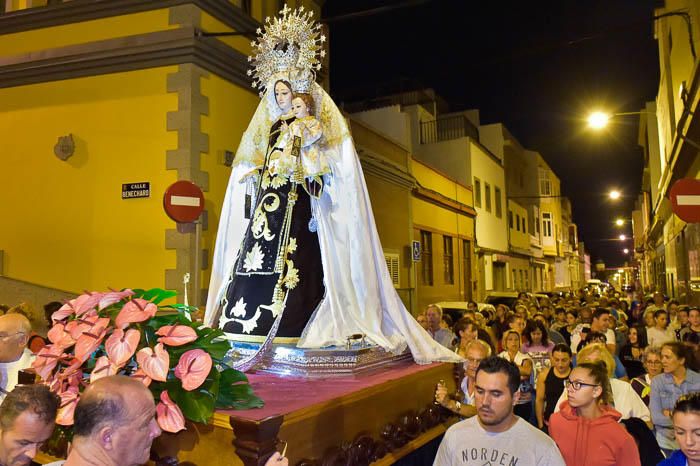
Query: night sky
column 537, row 67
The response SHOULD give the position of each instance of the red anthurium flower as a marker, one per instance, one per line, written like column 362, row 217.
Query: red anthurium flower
column 169, row 416
column 103, row 368
column 89, row 342
column 154, row 362
column 60, row 337
column 46, row 360
column 141, row 375
column 113, row 297
column 121, row 345
column 69, row 399
column 176, row 335
column 136, row 310
column 192, row 368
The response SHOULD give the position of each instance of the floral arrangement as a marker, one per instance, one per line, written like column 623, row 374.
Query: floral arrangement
column 126, row 332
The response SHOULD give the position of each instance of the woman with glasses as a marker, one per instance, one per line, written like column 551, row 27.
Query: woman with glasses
column 686, row 429
column 666, row 388
column 626, row 400
column 474, row 353
column 586, row 428
column 651, row 359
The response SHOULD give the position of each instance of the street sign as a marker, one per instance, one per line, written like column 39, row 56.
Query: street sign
column 136, row 190
column 416, row 250
column 685, row 199
column 183, row 201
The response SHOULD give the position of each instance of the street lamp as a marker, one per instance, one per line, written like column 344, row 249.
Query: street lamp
column 622, row 237
column 614, row 194
column 626, row 251
column 619, row 222
column 598, row 120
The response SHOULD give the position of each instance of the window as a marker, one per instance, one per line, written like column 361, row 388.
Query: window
column 517, row 222
column 477, row 192
column 466, row 258
column 524, row 228
column 545, row 183
column 426, row 244
column 497, row 195
column 547, row 224
column 510, row 219
column 448, row 264
column 487, row 196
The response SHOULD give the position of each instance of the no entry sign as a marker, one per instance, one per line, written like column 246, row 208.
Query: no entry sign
column 685, row 199
column 183, row 201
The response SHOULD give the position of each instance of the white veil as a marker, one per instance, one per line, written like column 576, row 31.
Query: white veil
column 360, row 297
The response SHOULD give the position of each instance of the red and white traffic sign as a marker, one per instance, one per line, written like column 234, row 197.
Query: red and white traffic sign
column 183, row 201
column 685, row 199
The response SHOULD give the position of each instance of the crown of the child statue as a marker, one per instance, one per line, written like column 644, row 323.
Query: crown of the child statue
column 289, row 47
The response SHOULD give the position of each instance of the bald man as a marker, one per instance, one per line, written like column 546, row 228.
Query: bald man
column 14, row 355
column 115, row 425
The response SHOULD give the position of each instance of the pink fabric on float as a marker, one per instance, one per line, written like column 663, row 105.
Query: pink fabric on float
column 283, row 395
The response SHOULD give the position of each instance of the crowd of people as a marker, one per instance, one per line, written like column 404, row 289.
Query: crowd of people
column 610, row 378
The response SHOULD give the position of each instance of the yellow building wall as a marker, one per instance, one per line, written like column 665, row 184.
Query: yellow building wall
column 64, row 223
column 84, row 32
column 230, row 109
column 519, row 238
column 441, row 221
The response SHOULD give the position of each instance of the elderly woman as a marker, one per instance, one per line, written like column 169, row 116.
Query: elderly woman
column 666, row 388
column 651, row 359
column 626, row 400
column 474, row 352
column 511, row 352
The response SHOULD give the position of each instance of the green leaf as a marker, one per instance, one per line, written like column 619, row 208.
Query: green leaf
column 196, row 405
column 235, row 392
column 238, row 396
column 157, row 295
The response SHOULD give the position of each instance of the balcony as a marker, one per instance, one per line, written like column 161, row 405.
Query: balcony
column 447, row 128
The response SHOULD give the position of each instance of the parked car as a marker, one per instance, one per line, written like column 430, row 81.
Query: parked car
column 456, row 309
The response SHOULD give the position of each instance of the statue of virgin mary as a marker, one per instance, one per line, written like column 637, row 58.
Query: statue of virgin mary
column 298, row 258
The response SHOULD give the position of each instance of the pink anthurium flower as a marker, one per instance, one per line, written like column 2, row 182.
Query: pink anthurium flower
column 154, row 362
column 69, row 399
column 89, row 342
column 141, row 375
column 193, row 368
column 176, row 335
column 121, row 345
column 103, row 368
column 46, row 360
column 136, row 310
column 113, row 297
column 169, row 415
column 60, row 337
column 78, row 306
column 89, row 324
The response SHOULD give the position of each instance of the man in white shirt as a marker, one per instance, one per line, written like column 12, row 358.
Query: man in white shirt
column 14, row 355
column 660, row 333
column 496, row 435
column 600, row 324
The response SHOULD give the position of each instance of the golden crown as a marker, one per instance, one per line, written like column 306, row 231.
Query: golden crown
column 291, row 43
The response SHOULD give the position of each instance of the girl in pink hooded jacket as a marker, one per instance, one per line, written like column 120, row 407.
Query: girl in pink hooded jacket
column 586, row 428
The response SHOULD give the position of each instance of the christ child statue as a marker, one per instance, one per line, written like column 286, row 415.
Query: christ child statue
column 301, row 155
